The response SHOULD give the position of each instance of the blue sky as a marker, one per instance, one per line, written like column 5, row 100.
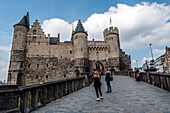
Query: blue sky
column 135, row 32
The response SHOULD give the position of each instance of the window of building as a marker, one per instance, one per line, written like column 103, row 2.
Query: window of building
column 46, row 76
column 34, row 39
column 36, row 77
column 34, row 31
column 21, row 65
column 15, row 36
column 81, row 49
column 46, row 65
column 115, row 49
column 9, row 77
column 29, row 65
column 37, row 65
column 70, row 52
column 64, row 75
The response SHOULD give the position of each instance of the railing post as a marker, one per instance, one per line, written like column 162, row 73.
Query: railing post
column 73, row 88
column 56, row 91
column 34, row 99
column 24, row 102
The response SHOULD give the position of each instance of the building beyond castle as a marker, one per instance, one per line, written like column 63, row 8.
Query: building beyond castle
column 36, row 58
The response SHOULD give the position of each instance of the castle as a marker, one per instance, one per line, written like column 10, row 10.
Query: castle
column 36, row 58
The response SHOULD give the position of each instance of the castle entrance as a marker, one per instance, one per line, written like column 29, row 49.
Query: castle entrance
column 98, row 66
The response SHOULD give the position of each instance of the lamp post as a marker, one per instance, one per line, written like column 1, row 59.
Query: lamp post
column 152, row 61
column 151, row 51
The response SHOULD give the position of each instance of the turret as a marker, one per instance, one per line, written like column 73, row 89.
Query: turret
column 18, row 52
column 111, row 38
column 80, row 47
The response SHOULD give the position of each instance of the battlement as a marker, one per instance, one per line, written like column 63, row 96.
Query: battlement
column 111, row 30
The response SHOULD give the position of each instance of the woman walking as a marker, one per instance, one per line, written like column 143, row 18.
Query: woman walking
column 97, row 85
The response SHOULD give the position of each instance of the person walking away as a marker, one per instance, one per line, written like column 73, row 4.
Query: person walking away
column 135, row 72
column 107, row 79
column 97, row 85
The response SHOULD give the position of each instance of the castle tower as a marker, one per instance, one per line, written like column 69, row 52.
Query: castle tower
column 111, row 38
column 80, row 48
column 18, row 52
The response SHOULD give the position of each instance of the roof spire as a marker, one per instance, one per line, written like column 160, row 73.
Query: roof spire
column 28, row 20
column 79, row 27
column 23, row 22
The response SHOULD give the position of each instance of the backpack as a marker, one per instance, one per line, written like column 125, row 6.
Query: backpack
column 111, row 77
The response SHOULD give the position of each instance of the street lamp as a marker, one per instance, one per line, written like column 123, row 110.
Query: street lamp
column 151, row 52
column 152, row 61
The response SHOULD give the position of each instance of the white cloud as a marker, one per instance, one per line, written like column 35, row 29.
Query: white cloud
column 158, row 51
column 139, row 25
column 133, row 62
column 5, row 48
column 55, row 26
column 3, row 70
column 144, row 59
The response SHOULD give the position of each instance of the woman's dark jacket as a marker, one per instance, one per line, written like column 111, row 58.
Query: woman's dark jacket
column 97, row 82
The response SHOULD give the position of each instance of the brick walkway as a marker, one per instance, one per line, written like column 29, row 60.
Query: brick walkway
column 127, row 96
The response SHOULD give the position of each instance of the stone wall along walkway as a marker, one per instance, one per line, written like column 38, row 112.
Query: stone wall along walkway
column 127, row 96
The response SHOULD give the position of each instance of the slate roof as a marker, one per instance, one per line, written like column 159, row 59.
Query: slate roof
column 23, row 22
column 53, row 40
column 79, row 27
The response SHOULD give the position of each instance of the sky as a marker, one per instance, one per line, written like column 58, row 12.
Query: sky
column 140, row 22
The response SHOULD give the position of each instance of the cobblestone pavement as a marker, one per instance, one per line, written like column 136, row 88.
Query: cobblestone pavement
column 127, row 96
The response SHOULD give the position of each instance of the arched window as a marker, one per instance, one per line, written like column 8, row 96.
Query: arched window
column 37, row 65
column 46, row 76
column 34, row 39
column 34, row 31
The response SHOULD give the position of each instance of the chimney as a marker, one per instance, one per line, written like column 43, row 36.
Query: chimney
column 58, row 39
column 28, row 19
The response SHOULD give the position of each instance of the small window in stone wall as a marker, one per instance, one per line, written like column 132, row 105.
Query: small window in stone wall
column 34, row 31
column 70, row 52
column 64, row 75
column 37, row 65
column 29, row 65
column 36, row 77
column 115, row 49
column 21, row 65
column 9, row 77
column 15, row 36
column 81, row 49
column 34, row 39
column 46, row 76
column 46, row 65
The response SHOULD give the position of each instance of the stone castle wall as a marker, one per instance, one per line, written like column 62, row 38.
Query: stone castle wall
column 38, row 60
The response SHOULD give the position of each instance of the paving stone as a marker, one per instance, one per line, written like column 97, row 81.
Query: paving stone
column 127, row 96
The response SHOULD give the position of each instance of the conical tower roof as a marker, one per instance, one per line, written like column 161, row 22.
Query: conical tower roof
column 23, row 22
column 79, row 27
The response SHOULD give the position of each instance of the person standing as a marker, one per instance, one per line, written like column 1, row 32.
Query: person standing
column 137, row 75
column 97, row 85
column 107, row 79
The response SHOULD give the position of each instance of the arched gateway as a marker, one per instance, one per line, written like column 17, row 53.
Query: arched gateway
column 98, row 66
